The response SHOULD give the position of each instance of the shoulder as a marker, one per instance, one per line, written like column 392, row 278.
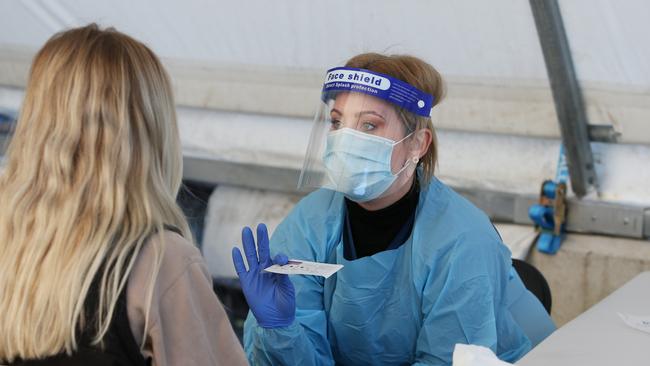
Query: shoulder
column 454, row 204
column 312, row 228
column 175, row 252
column 452, row 229
column 176, row 255
column 443, row 210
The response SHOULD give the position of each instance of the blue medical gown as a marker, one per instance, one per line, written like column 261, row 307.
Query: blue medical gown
column 447, row 284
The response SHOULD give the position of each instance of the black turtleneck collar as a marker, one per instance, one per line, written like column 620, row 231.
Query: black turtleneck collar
column 374, row 231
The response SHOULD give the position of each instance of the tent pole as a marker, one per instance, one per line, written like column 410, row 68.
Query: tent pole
column 569, row 105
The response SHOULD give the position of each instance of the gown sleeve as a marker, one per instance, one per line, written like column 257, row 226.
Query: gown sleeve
column 304, row 342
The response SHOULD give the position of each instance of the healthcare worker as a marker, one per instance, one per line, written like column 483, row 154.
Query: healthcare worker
column 423, row 268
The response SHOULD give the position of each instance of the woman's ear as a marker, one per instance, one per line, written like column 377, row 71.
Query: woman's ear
column 423, row 140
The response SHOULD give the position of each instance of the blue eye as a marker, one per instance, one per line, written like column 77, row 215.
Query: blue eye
column 335, row 124
column 367, row 126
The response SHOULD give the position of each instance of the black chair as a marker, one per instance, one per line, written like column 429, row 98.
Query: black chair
column 534, row 281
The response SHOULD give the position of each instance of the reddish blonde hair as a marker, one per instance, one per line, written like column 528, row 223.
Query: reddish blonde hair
column 419, row 74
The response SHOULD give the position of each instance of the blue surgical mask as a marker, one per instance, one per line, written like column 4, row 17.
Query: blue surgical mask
column 358, row 164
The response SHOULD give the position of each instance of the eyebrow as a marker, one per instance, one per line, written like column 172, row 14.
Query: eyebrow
column 359, row 114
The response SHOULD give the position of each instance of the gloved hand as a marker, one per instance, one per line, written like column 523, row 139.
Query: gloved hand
column 270, row 296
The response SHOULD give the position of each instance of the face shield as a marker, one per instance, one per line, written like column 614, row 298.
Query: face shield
column 362, row 142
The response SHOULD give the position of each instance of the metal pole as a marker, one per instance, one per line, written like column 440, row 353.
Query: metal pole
column 569, row 105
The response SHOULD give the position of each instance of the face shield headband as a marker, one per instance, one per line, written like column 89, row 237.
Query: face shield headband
column 390, row 89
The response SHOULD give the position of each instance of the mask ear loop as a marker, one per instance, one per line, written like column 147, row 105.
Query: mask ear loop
column 404, row 138
column 413, row 160
column 407, row 163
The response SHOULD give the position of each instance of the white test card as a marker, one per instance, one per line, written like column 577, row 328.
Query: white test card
column 300, row 267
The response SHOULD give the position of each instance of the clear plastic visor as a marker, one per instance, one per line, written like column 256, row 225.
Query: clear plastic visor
column 357, row 143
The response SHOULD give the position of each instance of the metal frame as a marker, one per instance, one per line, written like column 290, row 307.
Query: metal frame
column 587, row 216
column 213, row 171
column 569, row 105
column 603, row 133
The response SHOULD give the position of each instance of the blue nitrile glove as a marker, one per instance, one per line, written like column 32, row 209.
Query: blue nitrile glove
column 270, row 296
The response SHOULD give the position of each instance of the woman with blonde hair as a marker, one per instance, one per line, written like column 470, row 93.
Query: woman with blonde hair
column 96, row 265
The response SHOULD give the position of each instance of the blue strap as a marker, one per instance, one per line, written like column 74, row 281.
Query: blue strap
column 386, row 87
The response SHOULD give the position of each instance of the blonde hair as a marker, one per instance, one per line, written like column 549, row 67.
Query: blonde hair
column 92, row 171
column 420, row 75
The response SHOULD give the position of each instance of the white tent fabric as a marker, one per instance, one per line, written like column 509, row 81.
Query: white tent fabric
column 487, row 50
column 296, row 33
column 495, row 39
